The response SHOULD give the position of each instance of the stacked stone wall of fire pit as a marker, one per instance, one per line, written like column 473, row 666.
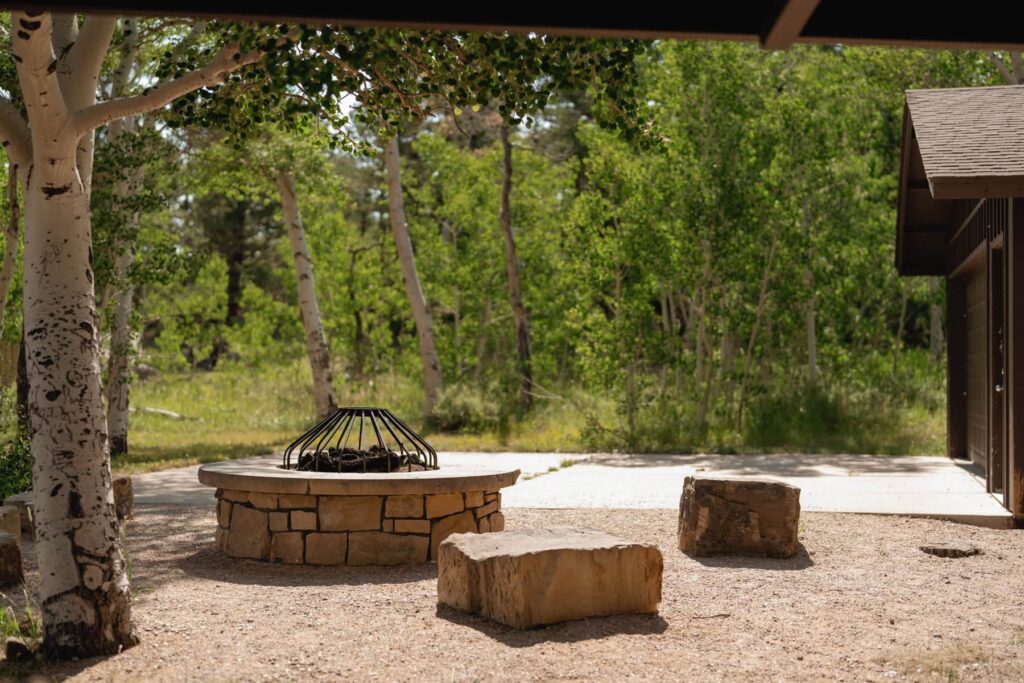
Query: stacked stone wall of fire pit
column 349, row 529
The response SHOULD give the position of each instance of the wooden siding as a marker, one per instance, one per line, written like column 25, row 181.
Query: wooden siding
column 977, row 364
column 987, row 223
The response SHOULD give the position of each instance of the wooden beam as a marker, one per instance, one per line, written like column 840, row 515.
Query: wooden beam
column 787, row 23
column 956, row 369
column 1014, row 344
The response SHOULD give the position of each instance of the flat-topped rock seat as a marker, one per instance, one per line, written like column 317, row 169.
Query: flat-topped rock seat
column 10, row 520
column 22, row 501
column 11, row 571
column 531, row 577
column 279, row 515
column 746, row 517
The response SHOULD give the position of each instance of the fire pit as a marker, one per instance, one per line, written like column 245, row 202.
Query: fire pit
column 359, row 488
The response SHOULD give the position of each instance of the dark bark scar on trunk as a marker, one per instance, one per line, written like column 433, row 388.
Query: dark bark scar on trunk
column 55, row 490
column 54, row 190
column 74, row 504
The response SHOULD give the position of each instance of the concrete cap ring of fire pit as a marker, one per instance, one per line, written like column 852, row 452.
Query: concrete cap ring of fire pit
column 265, row 512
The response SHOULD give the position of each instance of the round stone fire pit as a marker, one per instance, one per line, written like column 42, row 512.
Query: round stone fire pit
column 266, row 512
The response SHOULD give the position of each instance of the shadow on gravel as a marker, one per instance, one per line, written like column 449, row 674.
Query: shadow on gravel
column 568, row 632
column 802, row 560
column 211, row 564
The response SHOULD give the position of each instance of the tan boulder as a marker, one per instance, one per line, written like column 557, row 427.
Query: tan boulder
column 748, row 517
column 11, row 571
column 249, row 535
column 124, row 497
column 24, row 503
column 10, row 521
column 375, row 547
column 531, row 577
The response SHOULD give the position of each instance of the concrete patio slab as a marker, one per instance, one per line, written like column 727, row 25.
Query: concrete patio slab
column 898, row 485
column 915, row 486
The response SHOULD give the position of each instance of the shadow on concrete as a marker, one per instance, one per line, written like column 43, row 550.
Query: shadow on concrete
column 777, row 464
column 802, row 560
column 567, row 632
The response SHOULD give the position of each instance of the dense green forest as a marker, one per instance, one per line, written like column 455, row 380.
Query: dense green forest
column 722, row 280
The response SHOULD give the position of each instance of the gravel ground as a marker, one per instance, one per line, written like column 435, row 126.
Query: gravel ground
column 862, row 604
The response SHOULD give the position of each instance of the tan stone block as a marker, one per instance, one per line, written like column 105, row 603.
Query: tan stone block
column 444, row 504
column 490, row 495
column 445, row 527
column 486, row 510
column 483, row 525
column 532, row 577
column 278, row 521
column 287, row 547
column 412, row 526
column 220, row 537
column 11, row 570
column 303, row 520
column 249, row 535
column 291, row 501
column 235, row 496
column 747, row 517
column 263, row 501
column 374, row 547
column 24, row 502
column 474, row 499
column 326, row 548
column 10, row 521
column 350, row 513
column 404, row 506
column 124, row 498
column 224, row 513
column 389, row 525
column 497, row 520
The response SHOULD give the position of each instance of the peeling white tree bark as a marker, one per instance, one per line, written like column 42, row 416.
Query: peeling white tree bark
column 316, row 340
column 83, row 591
column 421, row 314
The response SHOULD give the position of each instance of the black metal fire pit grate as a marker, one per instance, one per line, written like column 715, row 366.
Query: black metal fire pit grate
column 360, row 440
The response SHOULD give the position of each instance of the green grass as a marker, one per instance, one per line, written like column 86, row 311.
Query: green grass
column 237, row 412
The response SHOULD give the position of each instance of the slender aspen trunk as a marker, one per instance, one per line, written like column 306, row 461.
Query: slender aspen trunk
column 316, row 340
column 10, row 237
column 432, row 381
column 762, row 300
column 481, row 340
column 84, row 591
column 520, row 318
column 118, row 366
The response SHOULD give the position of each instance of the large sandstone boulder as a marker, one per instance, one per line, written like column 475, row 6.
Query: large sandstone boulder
column 749, row 517
column 530, row 577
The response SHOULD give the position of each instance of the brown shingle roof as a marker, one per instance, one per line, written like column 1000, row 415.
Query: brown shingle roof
column 971, row 140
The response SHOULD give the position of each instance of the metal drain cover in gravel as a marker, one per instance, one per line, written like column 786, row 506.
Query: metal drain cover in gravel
column 951, row 549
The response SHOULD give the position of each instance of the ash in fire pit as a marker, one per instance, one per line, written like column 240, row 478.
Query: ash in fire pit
column 360, row 440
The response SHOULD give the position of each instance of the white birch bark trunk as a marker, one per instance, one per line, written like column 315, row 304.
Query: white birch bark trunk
column 83, row 591
column 10, row 237
column 316, row 340
column 432, row 382
column 520, row 319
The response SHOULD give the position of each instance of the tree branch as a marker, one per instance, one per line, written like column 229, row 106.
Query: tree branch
column 1001, row 65
column 15, row 133
column 36, row 66
column 227, row 61
column 86, row 55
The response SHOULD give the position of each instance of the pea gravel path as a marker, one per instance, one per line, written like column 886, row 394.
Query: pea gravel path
column 863, row 604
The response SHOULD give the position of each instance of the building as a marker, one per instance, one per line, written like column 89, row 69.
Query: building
column 961, row 217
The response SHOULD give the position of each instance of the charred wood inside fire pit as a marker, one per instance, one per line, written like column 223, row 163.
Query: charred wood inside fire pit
column 360, row 440
column 374, row 459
